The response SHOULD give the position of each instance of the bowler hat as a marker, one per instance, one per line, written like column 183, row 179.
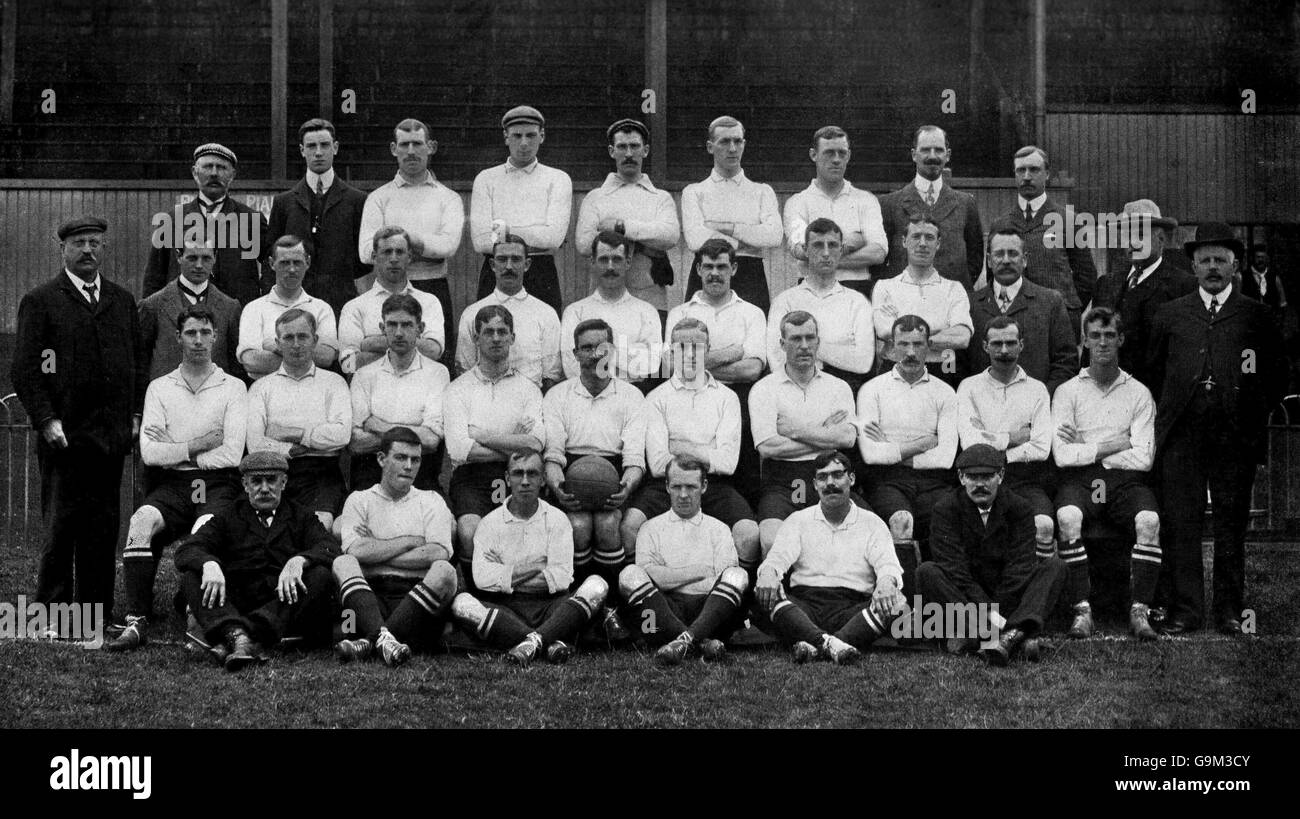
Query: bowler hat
column 1215, row 233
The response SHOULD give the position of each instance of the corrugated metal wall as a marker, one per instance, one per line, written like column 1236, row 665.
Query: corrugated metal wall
column 29, row 253
column 1237, row 168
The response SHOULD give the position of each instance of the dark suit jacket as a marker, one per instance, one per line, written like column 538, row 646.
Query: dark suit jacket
column 961, row 241
column 91, row 378
column 990, row 564
column 1050, row 353
column 252, row 555
column 1183, row 338
column 1070, row 271
column 1137, row 308
column 1250, row 288
column 334, row 264
column 158, row 347
column 237, row 277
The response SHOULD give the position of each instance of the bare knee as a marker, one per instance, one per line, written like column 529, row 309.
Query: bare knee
column 593, row 591
column 736, row 577
column 345, row 567
column 900, row 525
column 631, row 578
column 1044, row 528
column 1070, row 521
column 441, row 577
column 1147, row 526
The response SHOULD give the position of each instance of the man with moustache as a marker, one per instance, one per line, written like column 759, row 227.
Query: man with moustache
column 191, row 439
column 595, row 414
column 395, row 579
column 637, row 328
column 685, row 589
column 1051, row 260
column 1138, row 292
column 797, row 413
column 403, row 389
column 921, row 291
column 845, row 581
column 536, row 351
column 193, row 286
column 432, row 214
column 1048, row 352
column 237, row 270
column 846, row 335
column 982, row 542
column 258, row 570
column 78, row 376
column 930, row 195
column 525, row 198
column 523, row 567
column 908, row 420
column 729, row 206
column 1218, row 370
column 1104, row 446
column 1006, row 408
column 259, row 347
column 325, row 209
column 831, row 196
column 630, row 205
column 361, row 324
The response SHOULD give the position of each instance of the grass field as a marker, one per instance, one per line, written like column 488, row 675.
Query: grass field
column 1107, row 682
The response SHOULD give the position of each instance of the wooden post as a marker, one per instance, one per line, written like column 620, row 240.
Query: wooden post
column 279, row 88
column 8, row 41
column 976, row 55
column 1040, row 71
column 656, row 79
column 327, row 59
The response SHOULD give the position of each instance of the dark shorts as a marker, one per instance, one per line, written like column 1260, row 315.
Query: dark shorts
column 829, row 608
column 316, row 483
column 687, row 607
column 390, row 590
column 1116, row 495
column 787, row 487
column 898, row 488
column 721, row 500
column 532, row 609
column 478, row 488
column 441, row 289
column 182, row 497
column 1036, row 483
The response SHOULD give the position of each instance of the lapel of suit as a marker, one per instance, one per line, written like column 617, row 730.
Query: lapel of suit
column 78, row 294
column 1229, row 308
column 997, row 520
column 333, row 196
column 1021, row 302
column 302, row 195
column 944, row 204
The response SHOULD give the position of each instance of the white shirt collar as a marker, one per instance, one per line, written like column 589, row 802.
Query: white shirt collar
column 1012, row 290
column 327, row 178
column 699, row 298
column 714, row 176
column 429, row 179
column 695, row 520
column 932, row 277
column 1146, row 271
column 849, row 520
column 922, row 185
column 511, row 516
column 81, row 283
column 679, row 384
column 311, row 372
column 194, row 288
column 613, row 182
column 529, row 168
column 1036, row 203
column 387, row 364
column 1220, row 297
column 222, row 201
column 522, row 295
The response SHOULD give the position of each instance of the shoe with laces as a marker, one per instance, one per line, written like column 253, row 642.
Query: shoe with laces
column 1081, row 627
column 674, row 651
column 805, row 652
column 393, row 651
column 522, row 655
column 840, row 652
column 132, row 637
column 349, row 650
column 714, row 651
column 559, row 652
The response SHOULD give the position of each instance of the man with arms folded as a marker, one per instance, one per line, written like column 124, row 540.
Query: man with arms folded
column 523, row 567
column 1104, row 447
column 845, row 582
column 395, row 579
column 191, row 438
column 686, row 587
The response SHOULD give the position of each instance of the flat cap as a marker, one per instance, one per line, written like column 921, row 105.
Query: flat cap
column 215, row 149
column 82, row 224
column 523, row 114
column 627, row 125
column 981, row 456
column 263, row 461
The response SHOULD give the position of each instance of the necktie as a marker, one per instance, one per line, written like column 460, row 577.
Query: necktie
column 90, row 294
column 210, row 208
column 1029, row 213
column 320, row 186
column 1004, row 302
column 265, row 517
column 190, row 294
column 929, row 195
column 1214, row 308
column 1133, row 277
